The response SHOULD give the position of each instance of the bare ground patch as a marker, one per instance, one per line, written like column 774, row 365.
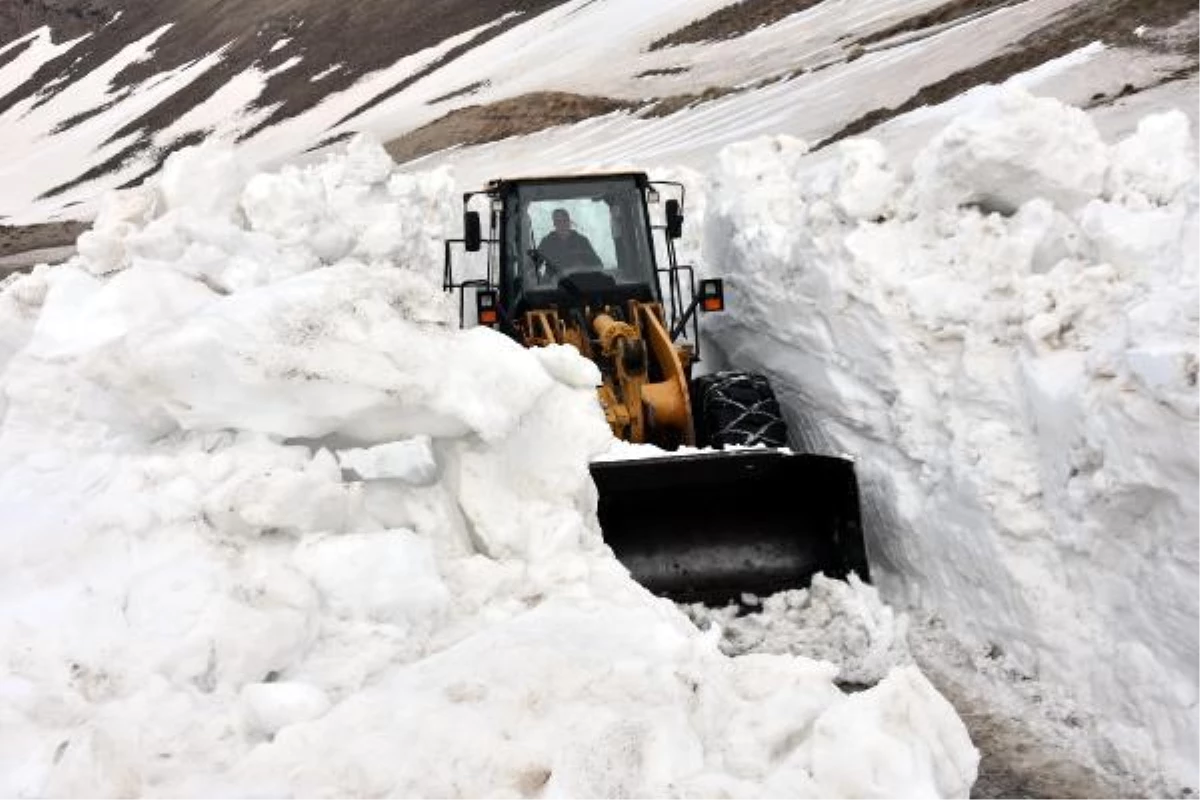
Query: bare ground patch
column 66, row 20
column 666, row 106
column 469, row 89
column 954, row 11
column 533, row 112
column 20, row 238
column 515, row 116
column 733, row 21
column 650, row 73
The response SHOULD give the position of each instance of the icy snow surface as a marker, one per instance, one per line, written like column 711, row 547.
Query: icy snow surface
column 272, row 525
column 1006, row 341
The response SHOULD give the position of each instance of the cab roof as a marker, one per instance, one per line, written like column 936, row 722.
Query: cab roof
column 499, row 184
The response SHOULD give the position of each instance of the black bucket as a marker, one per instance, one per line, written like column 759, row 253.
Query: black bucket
column 711, row 527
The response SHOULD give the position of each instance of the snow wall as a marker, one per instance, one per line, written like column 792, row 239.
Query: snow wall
column 1004, row 336
column 271, row 525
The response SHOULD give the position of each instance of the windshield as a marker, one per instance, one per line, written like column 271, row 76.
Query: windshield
column 561, row 229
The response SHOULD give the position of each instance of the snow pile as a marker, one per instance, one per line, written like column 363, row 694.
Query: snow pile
column 1006, row 339
column 271, row 525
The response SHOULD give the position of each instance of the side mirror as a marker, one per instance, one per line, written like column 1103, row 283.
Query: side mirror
column 472, row 235
column 487, row 309
column 674, row 220
column 712, row 295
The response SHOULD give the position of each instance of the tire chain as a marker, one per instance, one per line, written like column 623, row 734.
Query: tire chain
column 756, row 422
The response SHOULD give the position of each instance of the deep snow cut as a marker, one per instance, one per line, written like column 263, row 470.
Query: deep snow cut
column 273, row 525
column 1004, row 336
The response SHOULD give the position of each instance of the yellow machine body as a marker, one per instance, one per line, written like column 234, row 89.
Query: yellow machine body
column 709, row 525
column 644, row 393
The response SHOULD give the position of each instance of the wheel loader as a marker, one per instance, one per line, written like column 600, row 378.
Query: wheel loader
column 573, row 260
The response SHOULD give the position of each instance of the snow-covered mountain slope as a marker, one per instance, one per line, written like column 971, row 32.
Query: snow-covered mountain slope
column 78, row 113
column 110, row 86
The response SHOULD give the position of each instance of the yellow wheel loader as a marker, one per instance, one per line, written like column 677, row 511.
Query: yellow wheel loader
column 572, row 260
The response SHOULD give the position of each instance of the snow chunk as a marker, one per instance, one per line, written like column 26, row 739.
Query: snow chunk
column 1156, row 163
column 287, row 206
column 1013, row 150
column 21, row 300
column 103, row 247
column 270, row 707
column 341, row 351
column 383, row 577
column 411, row 461
column 567, row 366
column 867, row 188
column 366, row 161
column 263, row 497
column 866, row 728
column 203, row 180
column 82, row 313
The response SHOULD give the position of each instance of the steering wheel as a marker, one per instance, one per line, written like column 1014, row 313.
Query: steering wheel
column 553, row 271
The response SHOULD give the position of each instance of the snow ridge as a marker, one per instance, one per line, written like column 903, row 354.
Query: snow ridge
column 1005, row 337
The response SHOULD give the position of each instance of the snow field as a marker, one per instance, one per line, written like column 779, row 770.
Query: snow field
column 272, row 525
column 1005, row 337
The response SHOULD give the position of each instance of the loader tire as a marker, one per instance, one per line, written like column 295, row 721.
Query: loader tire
column 737, row 408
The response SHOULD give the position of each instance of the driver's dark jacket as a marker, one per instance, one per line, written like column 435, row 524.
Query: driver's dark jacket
column 572, row 250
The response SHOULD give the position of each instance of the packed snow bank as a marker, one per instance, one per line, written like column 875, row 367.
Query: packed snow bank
column 1005, row 337
column 271, row 525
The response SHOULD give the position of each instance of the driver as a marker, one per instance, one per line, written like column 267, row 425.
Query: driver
column 565, row 248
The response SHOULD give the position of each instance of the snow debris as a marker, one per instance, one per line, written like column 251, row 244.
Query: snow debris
column 843, row 623
column 410, row 460
column 1007, row 344
column 271, row 525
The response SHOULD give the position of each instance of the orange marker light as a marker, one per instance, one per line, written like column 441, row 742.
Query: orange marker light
column 487, row 309
column 712, row 295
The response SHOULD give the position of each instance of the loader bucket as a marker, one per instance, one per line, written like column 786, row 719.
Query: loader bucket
column 713, row 526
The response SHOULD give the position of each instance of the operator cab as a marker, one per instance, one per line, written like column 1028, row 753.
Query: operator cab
column 574, row 241
column 578, row 243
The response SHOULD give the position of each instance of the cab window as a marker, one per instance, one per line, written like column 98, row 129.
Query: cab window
column 595, row 226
